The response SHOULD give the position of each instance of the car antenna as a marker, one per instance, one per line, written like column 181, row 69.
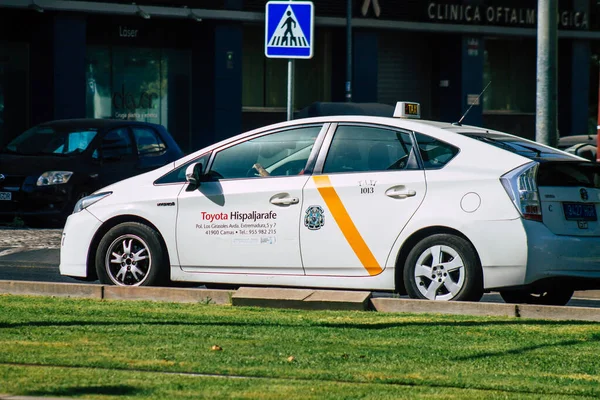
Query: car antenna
column 469, row 109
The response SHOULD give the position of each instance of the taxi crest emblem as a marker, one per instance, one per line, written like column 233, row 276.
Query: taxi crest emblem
column 314, row 218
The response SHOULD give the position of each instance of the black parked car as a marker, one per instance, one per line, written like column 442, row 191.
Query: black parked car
column 46, row 169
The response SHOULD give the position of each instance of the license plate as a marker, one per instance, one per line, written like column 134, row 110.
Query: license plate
column 6, row 196
column 580, row 212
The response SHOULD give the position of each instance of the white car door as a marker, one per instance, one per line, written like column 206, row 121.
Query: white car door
column 369, row 188
column 245, row 220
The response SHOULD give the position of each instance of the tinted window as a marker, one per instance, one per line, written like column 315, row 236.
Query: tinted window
column 50, row 140
column 278, row 154
column 362, row 148
column 148, row 142
column 116, row 144
column 178, row 174
column 434, row 153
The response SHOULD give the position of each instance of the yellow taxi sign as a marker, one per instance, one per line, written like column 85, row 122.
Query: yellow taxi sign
column 407, row 109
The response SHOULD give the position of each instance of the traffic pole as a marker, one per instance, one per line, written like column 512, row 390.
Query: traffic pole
column 598, row 123
column 349, row 51
column 546, row 131
column 290, row 89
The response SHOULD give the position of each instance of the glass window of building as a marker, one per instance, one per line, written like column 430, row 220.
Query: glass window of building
column 511, row 67
column 265, row 79
column 14, row 90
column 141, row 84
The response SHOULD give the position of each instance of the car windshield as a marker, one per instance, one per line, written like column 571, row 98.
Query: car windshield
column 51, row 140
column 518, row 145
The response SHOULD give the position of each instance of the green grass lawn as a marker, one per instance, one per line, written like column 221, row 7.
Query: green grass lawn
column 108, row 349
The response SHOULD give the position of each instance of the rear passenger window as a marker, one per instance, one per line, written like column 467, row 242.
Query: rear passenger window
column 366, row 148
column 434, row 153
column 148, row 142
column 116, row 145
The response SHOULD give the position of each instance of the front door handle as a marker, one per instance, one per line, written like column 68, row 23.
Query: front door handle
column 278, row 200
column 400, row 193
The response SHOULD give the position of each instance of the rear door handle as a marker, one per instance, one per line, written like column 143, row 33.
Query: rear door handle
column 284, row 201
column 398, row 193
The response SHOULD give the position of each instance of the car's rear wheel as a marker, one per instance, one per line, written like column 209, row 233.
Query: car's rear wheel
column 131, row 254
column 550, row 297
column 443, row 267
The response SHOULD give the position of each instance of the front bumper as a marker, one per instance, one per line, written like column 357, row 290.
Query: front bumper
column 42, row 201
column 77, row 236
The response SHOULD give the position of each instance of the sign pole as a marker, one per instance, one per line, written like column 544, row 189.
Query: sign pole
column 289, row 33
column 290, row 89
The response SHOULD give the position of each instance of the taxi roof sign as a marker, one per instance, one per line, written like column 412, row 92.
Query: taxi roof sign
column 407, row 109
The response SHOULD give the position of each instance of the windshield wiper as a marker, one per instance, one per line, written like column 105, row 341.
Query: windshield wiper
column 532, row 149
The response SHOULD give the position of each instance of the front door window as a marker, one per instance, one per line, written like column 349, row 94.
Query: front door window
column 279, row 154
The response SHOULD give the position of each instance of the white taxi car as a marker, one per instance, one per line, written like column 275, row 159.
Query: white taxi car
column 437, row 210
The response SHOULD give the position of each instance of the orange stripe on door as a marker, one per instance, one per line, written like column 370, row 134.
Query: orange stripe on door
column 342, row 218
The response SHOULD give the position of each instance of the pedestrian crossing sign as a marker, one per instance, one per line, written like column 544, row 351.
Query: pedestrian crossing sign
column 289, row 29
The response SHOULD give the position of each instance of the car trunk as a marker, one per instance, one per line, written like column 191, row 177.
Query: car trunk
column 570, row 197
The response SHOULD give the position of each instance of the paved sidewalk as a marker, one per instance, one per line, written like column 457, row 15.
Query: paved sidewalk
column 30, row 238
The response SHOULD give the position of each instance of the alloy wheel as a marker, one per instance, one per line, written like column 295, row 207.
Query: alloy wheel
column 439, row 273
column 128, row 261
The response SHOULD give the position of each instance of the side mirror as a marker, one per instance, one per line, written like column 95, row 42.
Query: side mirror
column 193, row 176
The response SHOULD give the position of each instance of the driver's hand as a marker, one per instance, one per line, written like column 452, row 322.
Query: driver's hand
column 260, row 169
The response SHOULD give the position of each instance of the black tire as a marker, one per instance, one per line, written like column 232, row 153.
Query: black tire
column 549, row 297
column 141, row 258
column 456, row 275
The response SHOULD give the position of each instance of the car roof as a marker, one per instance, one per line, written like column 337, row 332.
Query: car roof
column 94, row 123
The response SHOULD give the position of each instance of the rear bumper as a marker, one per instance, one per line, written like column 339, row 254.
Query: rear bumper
column 575, row 259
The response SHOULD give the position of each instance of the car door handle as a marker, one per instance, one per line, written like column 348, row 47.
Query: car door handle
column 284, row 201
column 400, row 193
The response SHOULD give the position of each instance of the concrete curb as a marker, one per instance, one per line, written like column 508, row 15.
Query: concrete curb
column 307, row 299
column 438, row 307
column 175, row 295
column 558, row 313
column 51, row 289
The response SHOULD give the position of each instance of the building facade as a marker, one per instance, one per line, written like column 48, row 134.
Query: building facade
column 198, row 66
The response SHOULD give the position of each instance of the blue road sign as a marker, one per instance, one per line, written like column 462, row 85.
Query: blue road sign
column 289, row 29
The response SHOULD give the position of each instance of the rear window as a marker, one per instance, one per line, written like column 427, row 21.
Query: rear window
column 522, row 147
column 576, row 174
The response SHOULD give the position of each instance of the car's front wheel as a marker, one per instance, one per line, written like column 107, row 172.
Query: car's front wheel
column 443, row 267
column 550, row 297
column 131, row 254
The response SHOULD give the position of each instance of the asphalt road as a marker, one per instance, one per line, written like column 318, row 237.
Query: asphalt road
column 41, row 265
column 33, row 255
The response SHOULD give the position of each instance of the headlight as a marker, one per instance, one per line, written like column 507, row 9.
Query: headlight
column 89, row 200
column 54, row 178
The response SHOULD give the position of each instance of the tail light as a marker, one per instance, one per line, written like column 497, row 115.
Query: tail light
column 521, row 186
